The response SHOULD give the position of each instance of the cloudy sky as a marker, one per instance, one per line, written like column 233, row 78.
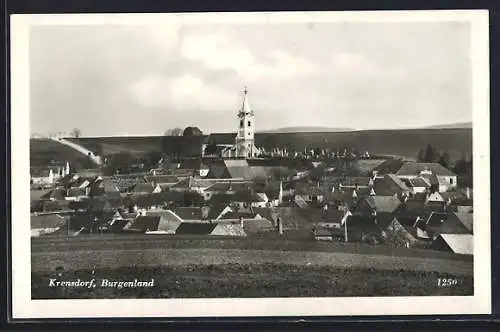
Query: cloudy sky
column 142, row 80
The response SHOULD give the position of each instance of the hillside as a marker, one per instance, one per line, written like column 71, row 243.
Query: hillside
column 305, row 130
column 403, row 143
column 43, row 151
column 452, row 125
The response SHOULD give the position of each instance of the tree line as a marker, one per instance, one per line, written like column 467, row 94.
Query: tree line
column 461, row 166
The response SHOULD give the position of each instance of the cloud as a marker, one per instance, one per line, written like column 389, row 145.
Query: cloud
column 187, row 91
column 218, row 51
column 353, row 63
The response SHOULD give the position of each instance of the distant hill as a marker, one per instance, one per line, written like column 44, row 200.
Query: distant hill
column 451, row 125
column 306, row 130
column 402, row 142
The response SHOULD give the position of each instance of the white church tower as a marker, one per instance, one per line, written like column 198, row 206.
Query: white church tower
column 244, row 142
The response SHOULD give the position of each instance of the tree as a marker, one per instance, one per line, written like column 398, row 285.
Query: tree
column 174, row 132
column 444, row 159
column 420, row 155
column 76, row 132
column 211, row 147
column 192, row 131
column 430, row 154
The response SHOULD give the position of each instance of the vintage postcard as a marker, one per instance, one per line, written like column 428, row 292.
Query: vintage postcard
column 250, row 164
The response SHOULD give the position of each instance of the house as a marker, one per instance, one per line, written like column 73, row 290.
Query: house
column 47, row 176
column 145, row 224
column 418, row 185
column 46, row 224
column 310, row 193
column 442, row 223
column 145, row 189
column 403, row 232
column 192, row 214
column 329, row 234
column 466, row 215
column 236, row 169
column 446, row 179
column 168, row 223
column 77, row 194
column 195, row 228
column 367, row 229
column 54, row 195
column 389, row 185
column 355, row 182
column 245, row 199
column 369, row 206
column 462, row 244
column 164, row 181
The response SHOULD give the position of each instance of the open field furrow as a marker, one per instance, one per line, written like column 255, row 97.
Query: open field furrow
column 99, row 259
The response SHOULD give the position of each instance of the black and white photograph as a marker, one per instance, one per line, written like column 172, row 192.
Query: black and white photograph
column 250, row 164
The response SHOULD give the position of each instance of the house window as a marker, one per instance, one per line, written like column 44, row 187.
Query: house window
column 451, row 180
column 241, row 123
column 249, row 123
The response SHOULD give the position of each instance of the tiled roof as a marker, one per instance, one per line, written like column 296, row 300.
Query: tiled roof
column 445, row 223
column 459, row 243
column 228, row 230
column 143, row 188
column 222, row 138
column 237, row 215
column 145, row 223
column 383, row 203
column 47, row 221
column 195, row 228
column 413, row 168
column 389, row 185
column 76, row 192
column 162, row 179
column 189, row 213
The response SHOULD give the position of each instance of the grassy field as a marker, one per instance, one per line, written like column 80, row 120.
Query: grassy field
column 389, row 142
column 253, row 280
column 43, row 151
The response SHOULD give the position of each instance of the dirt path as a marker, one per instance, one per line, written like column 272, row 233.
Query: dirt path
column 88, row 259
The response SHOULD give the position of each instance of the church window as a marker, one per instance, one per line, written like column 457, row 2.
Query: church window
column 249, row 133
column 241, row 123
column 249, row 123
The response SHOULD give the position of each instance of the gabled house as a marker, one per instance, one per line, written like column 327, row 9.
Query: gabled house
column 145, row 189
column 442, row 223
column 462, row 244
column 446, row 179
column 77, row 194
column 46, row 224
column 372, row 205
column 418, row 185
column 310, row 193
column 390, row 185
column 145, row 224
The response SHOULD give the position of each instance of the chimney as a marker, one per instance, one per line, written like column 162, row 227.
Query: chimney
column 467, row 192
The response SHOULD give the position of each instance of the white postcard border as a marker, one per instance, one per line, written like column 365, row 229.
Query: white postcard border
column 24, row 307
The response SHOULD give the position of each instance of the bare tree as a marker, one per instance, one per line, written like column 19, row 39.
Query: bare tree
column 76, row 132
column 174, row 132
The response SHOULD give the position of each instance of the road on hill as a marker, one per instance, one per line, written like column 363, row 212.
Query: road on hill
column 96, row 159
column 47, row 254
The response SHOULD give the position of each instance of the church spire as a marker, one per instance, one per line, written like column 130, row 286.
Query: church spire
column 245, row 106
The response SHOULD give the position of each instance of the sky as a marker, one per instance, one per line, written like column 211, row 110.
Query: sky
column 112, row 80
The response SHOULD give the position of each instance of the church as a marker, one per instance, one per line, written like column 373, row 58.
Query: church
column 240, row 144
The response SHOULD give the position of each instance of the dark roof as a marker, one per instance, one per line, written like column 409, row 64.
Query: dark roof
column 55, row 194
column 216, row 210
column 416, row 208
column 75, row 192
column 162, row 179
column 317, row 215
column 143, row 188
column 413, row 168
column 189, row 213
column 145, row 223
column 255, row 226
column 238, row 215
column 418, row 183
column 195, row 228
column 389, row 166
column 383, row 203
column 222, row 138
column 389, row 185
column 264, row 213
column 445, row 223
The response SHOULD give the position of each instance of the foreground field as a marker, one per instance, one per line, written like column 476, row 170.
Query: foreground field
column 253, row 280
